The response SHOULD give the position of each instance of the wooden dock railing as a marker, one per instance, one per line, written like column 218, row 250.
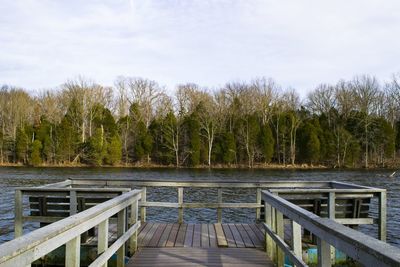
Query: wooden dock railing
column 26, row 249
column 362, row 248
column 53, row 202
column 343, row 193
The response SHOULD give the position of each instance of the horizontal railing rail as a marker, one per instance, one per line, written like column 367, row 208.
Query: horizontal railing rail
column 341, row 189
column 26, row 249
column 64, row 202
column 362, row 248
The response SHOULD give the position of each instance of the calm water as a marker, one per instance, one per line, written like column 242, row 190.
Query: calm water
column 14, row 177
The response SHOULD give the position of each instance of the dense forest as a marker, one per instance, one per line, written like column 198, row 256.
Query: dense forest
column 136, row 122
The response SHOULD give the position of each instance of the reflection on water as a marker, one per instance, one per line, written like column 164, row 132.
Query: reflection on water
column 14, row 177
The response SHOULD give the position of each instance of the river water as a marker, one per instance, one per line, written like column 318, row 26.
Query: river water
column 15, row 177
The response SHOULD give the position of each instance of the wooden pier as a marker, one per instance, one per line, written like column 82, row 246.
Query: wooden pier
column 176, row 244
column 108, row 217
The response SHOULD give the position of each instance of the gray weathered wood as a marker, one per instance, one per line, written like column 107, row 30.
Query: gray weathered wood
column 283, row 246
column 382, row 216
column 180, row 202
column 23, row 251
column 120, row 242
column 72, row 252
column 268, row 222
column 258, row 201
column 362, row 248
column 73, row 203
column 324, row 253
column 143, row 208
column 121, row 226
column 102, row 240
column 332, row 215
column 18, row 223
column 219, row 210
column 133, row 219
column 280, row 232
column 296, row 239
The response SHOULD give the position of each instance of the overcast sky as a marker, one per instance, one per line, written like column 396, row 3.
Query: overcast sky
column 298, row 43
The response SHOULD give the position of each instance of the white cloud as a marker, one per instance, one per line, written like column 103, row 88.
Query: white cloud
column 299, row 43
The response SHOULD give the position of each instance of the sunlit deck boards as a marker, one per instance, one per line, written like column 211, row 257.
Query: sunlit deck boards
column 191, row 256
column 201, row 235
column 162, row 244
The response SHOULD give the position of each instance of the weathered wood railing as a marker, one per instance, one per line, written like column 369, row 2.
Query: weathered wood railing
column 26, row 249
column 54, row 202
column 345, row 203
column 181, row 185
column 362, row 248
column 316, row 189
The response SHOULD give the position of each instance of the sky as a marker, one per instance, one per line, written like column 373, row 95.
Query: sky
column 300, row 44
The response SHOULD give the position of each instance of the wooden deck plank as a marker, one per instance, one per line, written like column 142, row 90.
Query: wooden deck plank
column 254, row 239
column 171, row 257
column 236, row 235
column 229, row 236
column 197, row 235
column 150, row 234
column 260, row 235
column 163, row 240
column 212, row 235
column 157, row 235
column 142, row 226
column 144, row 232
column 245, row 236
column 180, row 238
column 189, row 235
column 221, row 240
column 172, row 235
column 205, row 240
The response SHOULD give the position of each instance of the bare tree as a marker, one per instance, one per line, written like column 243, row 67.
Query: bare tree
column 366, row 90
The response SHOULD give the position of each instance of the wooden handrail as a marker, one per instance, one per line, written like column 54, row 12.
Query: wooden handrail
column 365, row 249
column 289, row 187
column 24, row 250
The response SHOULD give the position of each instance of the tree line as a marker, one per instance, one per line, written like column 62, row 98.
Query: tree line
column 136, row 122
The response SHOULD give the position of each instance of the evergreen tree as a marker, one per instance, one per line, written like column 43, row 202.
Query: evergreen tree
column 267, row 143
column 22, row 145
column 309, row 144
column 114, row 155
column 36, row 158
column 228, row 148
column 193, row 128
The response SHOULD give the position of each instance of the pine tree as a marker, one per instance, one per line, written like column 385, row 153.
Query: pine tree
column 229, row 148
column 193, row 128
column 22, row 145
column 114, row 154
column 267, row 143
column 36, row 158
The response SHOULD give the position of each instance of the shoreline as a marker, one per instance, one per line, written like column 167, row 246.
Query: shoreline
column 201, row 167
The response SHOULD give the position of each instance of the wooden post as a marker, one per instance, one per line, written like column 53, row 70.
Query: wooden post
column 180, row 202
column 121, row 220
column 134, row 219
column 258, row 200
column 143, row 209
column 268, row 221
column 102, row 239
column 332, row 215
column 18, row 223
column 296, row 239
column 219, row 210
column 72, row 202
column 273, row 227
column 324, row 253
column 280, row 232
column 72, row 252
column 382, row 216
